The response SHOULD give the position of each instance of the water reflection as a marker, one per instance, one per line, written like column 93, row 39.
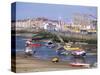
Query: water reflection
column 79, row 60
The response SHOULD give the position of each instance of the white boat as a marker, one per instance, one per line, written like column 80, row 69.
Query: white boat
column 28, row 51
column 78, row 53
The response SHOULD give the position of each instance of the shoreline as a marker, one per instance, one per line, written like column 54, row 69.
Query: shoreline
column 32, row 64
column 68, row 35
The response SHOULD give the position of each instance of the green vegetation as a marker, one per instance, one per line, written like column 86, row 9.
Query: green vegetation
column 49, row 35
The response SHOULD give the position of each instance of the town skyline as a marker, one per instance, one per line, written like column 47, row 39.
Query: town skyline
column 51, row 11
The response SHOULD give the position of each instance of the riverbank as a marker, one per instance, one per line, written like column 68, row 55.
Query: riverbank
column 90, row 39
column 32, row 64
column 24, row 34
column 65, row 34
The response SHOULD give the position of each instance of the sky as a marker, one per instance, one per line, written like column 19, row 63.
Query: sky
column 50, row 11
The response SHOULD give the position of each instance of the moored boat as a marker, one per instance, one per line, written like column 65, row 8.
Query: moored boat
column 79, row 53
column 71, row 48
column 79, row 65
column 50, row 44
column 68, row 46
column 75, row 51
column 36, row 45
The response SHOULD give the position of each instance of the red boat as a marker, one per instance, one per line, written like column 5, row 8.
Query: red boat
column 35, row 45
column 79, row 65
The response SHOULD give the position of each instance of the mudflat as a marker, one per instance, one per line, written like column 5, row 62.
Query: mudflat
column 33, row 64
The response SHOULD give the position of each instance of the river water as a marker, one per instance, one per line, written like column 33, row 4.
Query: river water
column 46, row 53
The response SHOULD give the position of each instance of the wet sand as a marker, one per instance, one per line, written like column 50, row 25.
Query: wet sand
column 32, row 64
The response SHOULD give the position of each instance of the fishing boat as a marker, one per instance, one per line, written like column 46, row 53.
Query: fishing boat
column 79, row 53
column 36, row 36
column 75, row 51
column 69, row 47
column 79, row 65
column 36, row 45
column 55, row 59
column 28, row 51
column 50, row 44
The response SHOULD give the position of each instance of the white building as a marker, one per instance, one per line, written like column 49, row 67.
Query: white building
column 51, row 26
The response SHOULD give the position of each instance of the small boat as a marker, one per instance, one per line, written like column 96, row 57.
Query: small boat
column 61, row 48
column 50, row 44
column 68, row 46
column 78, row 53
column 75, row 51
column 55, row 59
column 79, row 65
column 28, row 51
column 62, row 51
column 71, row 48
column 37, row 37
column 35, row 45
